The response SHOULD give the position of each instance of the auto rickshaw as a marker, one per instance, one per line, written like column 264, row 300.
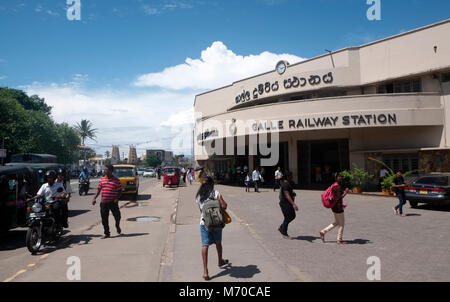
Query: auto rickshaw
column 171, row 176
column 16, row 182
column 127, row 174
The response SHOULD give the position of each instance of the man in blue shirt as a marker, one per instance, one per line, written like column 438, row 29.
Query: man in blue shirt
column 84, row 174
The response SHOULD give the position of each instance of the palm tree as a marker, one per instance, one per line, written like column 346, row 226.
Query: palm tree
column 107, row 154
column 85, row 130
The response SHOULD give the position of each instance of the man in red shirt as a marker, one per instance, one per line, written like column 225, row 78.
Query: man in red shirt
column 111, row 190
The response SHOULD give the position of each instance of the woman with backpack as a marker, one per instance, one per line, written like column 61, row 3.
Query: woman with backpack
column 206, row 193
column 338, row 210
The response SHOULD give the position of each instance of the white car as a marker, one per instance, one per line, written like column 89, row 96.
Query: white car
column 149, row 173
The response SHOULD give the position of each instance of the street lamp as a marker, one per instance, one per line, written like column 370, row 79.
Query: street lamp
column 331, row 55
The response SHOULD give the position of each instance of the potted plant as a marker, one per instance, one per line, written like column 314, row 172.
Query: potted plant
column 360, row 178
column 356, row 178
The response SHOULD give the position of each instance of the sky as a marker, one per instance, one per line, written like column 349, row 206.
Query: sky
column 133, row 67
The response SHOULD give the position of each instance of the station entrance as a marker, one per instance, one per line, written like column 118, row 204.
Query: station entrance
column 319, row 160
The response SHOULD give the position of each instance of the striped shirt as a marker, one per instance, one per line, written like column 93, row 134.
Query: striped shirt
column 110, row 188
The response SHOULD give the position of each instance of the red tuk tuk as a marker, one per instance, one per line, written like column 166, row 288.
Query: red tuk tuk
column 171, row 176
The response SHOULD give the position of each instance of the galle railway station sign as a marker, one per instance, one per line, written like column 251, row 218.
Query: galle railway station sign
column 310, row 122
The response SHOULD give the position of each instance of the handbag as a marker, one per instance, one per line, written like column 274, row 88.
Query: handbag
column 226, row 217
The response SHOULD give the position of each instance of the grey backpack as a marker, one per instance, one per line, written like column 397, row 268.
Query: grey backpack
column 212, row 214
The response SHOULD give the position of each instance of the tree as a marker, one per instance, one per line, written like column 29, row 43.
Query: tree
column 33, row 102
column 153, row 161
column 26, row 122
column 107, row 154
column 85, row 130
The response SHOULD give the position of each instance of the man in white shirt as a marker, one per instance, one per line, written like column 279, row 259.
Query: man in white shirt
column 50, row 189
column 278, row 176
column 256, row 177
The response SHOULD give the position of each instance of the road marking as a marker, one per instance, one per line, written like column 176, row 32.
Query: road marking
column 15, row 276
column 31, row 265
column 44, row 256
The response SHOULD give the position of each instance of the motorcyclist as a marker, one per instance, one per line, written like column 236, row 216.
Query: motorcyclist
column 50, row 189
column 84, row 175
column 65, row 209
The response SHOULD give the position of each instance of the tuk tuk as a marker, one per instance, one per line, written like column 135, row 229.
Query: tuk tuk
column 127, row 174
column 171, row 176
column 16, row 182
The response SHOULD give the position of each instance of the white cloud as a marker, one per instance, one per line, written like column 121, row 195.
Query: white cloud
column 148, row 10
column 123, row 117
column 52, row 13
column 38, row 9
column 218, row 66
column 3, row 77
column 162, row 117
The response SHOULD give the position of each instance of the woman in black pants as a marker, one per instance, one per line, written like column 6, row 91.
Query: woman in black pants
column 287, row 204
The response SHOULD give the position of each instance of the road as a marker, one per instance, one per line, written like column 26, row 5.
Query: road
column 411, row 248
column 14, row 255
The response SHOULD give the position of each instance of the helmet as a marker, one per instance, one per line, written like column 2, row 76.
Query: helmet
column 85, row 169
column 50, row 173
column 62, row 171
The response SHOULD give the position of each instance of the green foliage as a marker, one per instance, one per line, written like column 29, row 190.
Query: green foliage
column 152, row 161
column 26, row 123
column 33, row 102
column 356, row 177
column 389, row 179
column 86, row 130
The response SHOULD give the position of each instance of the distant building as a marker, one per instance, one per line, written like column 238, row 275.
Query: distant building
column 132, row 155
column 163, row 155
column 115, row 155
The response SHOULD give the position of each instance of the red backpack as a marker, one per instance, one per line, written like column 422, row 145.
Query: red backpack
column 328, row 198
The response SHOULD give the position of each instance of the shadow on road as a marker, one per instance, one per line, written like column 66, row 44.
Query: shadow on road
column 238, row 272
column 407, row 215
column 358, row 241
column 145, row 197
column 306, row 238
column 73, row 213
column 130, row 235
column 12, row 240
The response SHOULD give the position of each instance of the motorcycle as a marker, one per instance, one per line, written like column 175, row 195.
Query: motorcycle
column 44, row 222
column 83, row 186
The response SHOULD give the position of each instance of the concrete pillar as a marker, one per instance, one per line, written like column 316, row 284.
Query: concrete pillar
column 293, row 157
column 250, row 163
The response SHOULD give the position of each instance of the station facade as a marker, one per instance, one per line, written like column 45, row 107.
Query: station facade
column 388, row 99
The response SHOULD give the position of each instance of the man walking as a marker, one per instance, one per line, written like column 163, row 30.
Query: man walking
column 111, row 190
column 399, row 188
column 287, row 204
column 256, row 177
column 278, row 176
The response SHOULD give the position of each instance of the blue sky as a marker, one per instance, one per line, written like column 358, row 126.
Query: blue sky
column 105, row 54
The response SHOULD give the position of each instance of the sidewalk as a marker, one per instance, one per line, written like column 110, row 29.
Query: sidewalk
column 249, row 260
column 134, row 256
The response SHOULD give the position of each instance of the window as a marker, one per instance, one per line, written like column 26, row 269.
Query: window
column 402, row 162
column 434, row 180
column 446, row 77
column 405, row 86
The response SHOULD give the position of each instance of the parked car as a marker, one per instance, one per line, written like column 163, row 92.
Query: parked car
column 149, row 173
column 140, row 171
column 430, row 189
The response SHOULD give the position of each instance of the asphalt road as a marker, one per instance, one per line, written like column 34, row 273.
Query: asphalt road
column 82, row 214
column 411, row 248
